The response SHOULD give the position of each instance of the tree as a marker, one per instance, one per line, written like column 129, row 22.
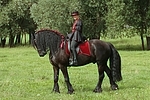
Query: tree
column 111, row 18
column 94, row 13
column 137, row 14
column 15, row 19
column 54, row 14
column 114, row 18
column 3, row 19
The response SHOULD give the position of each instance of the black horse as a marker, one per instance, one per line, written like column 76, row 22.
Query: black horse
column 50, row 40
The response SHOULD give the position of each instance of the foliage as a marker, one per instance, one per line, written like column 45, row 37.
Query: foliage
column 93, row 17
column 15, row 17
column 101, row 18
column 54, row 14
column 114, row 18
column 57, row 15
column 137, row 15
column 4, row 19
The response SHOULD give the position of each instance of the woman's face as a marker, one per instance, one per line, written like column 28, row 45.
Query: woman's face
column 76, row 17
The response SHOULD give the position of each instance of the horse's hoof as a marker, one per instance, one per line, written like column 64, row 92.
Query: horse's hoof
column 56, row 91
column 70, row 92
column 114, row 87
column 97, row 90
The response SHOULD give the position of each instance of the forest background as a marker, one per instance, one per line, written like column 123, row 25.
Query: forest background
column 102, row 18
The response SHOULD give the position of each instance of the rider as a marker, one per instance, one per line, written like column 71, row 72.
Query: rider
column 76, row 36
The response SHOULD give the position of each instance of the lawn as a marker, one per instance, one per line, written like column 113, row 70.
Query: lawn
column 26, row 76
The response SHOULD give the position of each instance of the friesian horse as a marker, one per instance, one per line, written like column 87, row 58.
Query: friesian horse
column 50, row 40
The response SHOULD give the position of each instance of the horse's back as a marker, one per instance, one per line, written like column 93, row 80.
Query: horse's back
column 96, row 43
column 100, row 49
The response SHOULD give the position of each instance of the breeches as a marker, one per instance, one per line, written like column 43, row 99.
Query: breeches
column 74, row 44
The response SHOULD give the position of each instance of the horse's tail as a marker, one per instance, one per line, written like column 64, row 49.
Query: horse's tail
column 115, row 64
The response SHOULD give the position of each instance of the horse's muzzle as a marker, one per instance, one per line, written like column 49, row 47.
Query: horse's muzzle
column 42, row 53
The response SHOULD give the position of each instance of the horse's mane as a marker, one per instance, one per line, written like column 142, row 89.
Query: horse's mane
column 51, row 38
column 55, row 31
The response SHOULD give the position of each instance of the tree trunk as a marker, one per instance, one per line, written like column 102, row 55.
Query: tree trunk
column 148, row 42
column 3, row 42
column 31, row 31
column 142, row 40
column 30, row 37
column 11, row 40
column 25, row 40
column 18, row 39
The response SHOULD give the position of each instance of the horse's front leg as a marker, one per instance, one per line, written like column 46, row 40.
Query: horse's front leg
column 66, row 77
column 56, row 76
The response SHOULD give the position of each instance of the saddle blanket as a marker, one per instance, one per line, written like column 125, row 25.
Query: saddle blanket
column 83, row 48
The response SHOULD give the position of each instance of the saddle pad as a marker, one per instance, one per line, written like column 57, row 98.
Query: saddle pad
column 84, row 48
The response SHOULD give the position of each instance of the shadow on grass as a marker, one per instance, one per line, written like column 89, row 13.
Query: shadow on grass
column 129, row 47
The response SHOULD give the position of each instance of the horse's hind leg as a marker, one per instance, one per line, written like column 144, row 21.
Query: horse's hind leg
column 98, row 88
column 66, row 77
column 114, row 86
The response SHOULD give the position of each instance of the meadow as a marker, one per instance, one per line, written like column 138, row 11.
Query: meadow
column 26, row 76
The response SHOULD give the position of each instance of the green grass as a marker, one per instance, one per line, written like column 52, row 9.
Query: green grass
column 26, row 76
column 133, row 43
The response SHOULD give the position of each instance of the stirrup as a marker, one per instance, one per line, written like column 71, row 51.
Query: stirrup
column 71, row 63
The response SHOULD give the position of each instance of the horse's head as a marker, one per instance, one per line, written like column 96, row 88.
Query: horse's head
column 38, row 43
column 45, row 40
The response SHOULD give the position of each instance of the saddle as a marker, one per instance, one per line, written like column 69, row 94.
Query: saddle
column 83, row 48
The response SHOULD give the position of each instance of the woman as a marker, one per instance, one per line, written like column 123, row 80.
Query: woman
column 76, row 36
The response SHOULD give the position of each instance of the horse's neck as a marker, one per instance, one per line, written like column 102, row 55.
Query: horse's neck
column 54, row 44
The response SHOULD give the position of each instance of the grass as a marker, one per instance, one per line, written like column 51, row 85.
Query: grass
column 130, row 44
column 26, row 76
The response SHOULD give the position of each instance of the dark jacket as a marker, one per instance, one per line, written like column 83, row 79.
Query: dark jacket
column 77, row 31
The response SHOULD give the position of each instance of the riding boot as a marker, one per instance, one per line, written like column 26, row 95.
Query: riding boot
column 75, row 62
column 73, row 52
column 73, row 59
